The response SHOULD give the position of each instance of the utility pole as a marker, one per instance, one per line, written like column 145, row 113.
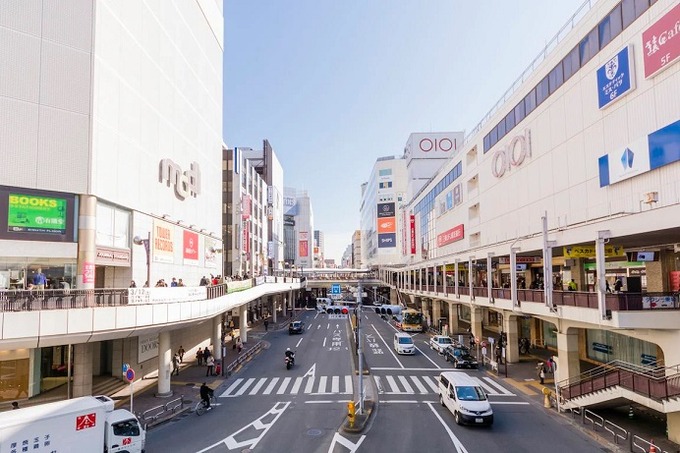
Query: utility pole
column 360, row 353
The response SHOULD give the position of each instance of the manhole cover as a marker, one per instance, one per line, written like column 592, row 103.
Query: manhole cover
column 314, row 432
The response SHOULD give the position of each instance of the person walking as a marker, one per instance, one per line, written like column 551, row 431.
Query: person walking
column 541, row 372
column 206, row 354
column 175, row 365
column 199, row 357
column 180, row 353
column 239, row 345
column 266, row 325
column 210, row 362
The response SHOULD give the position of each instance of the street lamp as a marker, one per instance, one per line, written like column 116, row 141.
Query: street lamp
column 147, row 245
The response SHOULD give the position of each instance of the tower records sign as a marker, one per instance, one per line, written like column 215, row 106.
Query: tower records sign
column 512, row 155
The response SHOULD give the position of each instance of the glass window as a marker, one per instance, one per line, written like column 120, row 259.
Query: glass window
column 589, row 47
column 487, row 142
column 520, row 112
column 570, row 64
column 494, row 136
column 610, row 27
column 104, row 235
column 121, row 229
column 510, row 121
column 501, row 129
column 126, row 428
column 556, row 78
column 530, row 102
column 542, row 91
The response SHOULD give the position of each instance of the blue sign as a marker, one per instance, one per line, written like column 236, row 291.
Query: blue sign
column 130, row 374
column 615, row 78
column 387, row 240
column 335, row 289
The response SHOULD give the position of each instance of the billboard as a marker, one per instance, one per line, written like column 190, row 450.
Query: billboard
column 34, row 215
column 387, row 225
column 661, row 42
column 163, row 250
column 433, row 145
column 210, row 246
column 452, row 235
column 386, row 210
column 388, row 240
column 413, row 234
column 190, row 248
column 615, row 78
column 304, row 248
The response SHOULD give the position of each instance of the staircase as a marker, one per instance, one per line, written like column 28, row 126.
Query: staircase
column 107, row 385
column 655, row 387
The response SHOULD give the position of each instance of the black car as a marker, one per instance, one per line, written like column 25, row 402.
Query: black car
column 460, row 357
column 296, row 327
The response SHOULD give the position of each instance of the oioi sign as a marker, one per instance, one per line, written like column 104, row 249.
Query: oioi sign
column 512, row 155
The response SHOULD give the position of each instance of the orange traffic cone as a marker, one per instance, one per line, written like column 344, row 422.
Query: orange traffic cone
column 652, row 447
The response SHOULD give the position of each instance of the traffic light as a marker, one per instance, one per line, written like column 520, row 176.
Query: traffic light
column 351, row 413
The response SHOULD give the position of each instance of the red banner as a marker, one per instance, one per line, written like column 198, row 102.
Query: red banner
column 661, row 42
column 413, row 234
column 246, row 239
column 304, row 248
column 454, row 234
column 674, row 277
column 190, row 248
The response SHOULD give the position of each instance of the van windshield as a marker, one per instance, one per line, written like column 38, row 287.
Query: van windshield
column 405, row 340
column 470, row 393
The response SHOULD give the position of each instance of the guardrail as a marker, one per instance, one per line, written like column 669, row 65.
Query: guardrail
column 151, row 415
column 242, row 358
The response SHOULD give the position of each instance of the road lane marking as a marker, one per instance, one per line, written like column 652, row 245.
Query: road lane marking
column 271, row 386
column 431, row 383
column 296, row 385
column 258, row 386
column 243, row 389
column 322, row 385
column 283, row 386
column 405, row 384
column 335, row 384
column 311, row 372
column 324, row 342
column 338, row 439
column 402, row 369
column 518, row 403
column 328, row 326
column 298, row 343
column 393, row 385
column 348, row 385
column 420, row 386
column 388, row 348
column 378, row 384
column 309, row 327
column 233, row 386
column 497, row 385
column 310, row 385
column 460, row 448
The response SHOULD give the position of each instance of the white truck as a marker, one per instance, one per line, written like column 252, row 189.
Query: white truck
column 87, row 424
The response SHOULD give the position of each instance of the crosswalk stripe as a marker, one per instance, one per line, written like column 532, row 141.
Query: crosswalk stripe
column 283, row 386
column 310, row 385
column 232, row 387
column 433, row 385
column 322, row 385
column 258, row 386
column 242, row 390
column 393, row 384
column 348, row 385
column 485, row 386
column 420, row 386
column 296, row 385
column 497, row 385
column 406, row 385
column 271, row 386
column 335, row 384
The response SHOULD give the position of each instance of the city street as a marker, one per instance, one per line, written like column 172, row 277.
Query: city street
column 265, row 407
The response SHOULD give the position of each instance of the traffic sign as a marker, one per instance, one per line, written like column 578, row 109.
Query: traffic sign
column 335, row 288
column 130, row 374
column 125, row 367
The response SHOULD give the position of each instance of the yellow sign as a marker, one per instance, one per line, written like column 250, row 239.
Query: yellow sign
column 163, row 247
column 588, row 251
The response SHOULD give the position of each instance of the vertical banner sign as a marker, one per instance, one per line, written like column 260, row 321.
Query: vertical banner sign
column 246, row 238
column 661, row 42
column 209, row 252
column 88, row 272
column 304, row 243
column 190, row 248
column 163, row 242
column 674, row 277
column 246, row 206
column 404, row 229
column 413, row 234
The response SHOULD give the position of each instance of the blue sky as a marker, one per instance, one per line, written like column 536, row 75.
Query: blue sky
column 335, row 84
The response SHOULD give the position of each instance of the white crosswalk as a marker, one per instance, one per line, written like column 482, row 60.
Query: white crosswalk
column 308, row 385
column 411, row 385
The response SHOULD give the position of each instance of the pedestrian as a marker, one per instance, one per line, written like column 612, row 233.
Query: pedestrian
column 541, row 372
column 133, row 284
column 553, row 364
column 173, row 283
column 607, row 288
column 239, row 345
column 204, row 281
column 572, row 285
column 210, row 362
column 175, row 365
column 15, row 405
column 266, row 325
column 180, row 283
column 206, row 354
column 618, row 285
column 199, row 357
column 180, row 353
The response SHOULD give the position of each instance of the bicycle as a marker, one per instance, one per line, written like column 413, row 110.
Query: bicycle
column 201, row 408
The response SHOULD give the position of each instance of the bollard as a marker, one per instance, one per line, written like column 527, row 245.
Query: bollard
column 351, row 413
column 546, row 397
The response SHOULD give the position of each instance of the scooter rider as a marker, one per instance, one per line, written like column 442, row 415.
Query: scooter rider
column 291, row 355
column 206, row 392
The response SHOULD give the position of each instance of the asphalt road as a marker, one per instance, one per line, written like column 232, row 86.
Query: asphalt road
column 267, row 408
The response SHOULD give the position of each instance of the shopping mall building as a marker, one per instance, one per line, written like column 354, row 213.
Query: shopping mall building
column 573, row 175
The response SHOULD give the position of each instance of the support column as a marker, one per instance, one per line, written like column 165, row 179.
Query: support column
column 453, row 317
column 87, row 228
column 511, row 332
column 82, row 369
column 394, row 299
column 476, row 317
column 164, row 361
column 274, row 316
column 217, row 337
column 568, row 364
column 243, row 322
column 673, row 426
column 426, row 313
column 436, row 313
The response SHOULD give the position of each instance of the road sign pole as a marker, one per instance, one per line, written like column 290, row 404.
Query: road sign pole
column 360, row 354
column 132, row 397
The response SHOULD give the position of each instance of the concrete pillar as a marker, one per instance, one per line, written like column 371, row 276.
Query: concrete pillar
column 394, row 298
column 243, row 322
column 426, row 312
column 568, row 364
column 436, row 312
column 87, row 250
column 217, row 337
column 164, row 364
column 512, row 334
column 673, row 426
column 272, row 303
column 476, row 317
column 274, row 316
column 453, row 317
column 655, row 277
column 82, row 370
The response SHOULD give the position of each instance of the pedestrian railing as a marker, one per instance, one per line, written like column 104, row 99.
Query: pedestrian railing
column 242, row 358
column 153, row 414
column 614, row 432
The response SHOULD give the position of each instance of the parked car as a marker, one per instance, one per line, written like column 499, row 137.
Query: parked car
column 460, row 357
column 440, row 342
column 296, row 327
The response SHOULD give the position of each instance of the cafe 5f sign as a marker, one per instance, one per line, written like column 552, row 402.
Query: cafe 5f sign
column 512, row 155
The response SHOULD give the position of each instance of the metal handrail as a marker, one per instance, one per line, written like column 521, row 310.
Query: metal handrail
column 244, row 357
column 156, row 412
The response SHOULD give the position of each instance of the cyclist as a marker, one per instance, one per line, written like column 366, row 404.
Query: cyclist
column 206, row 394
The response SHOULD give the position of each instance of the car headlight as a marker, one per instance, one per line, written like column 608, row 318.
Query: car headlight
column 467, row 411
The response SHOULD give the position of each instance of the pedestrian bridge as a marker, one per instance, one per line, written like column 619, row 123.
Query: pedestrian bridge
column 33, row 319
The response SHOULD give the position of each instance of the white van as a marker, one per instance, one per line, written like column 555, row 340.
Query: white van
column 464, row 397
column 403, row 343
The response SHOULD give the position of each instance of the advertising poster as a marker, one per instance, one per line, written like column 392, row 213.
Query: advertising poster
column 454, row 234
column 88, row 272
column 36, row 214
column 661, row 43
column 413, row 234
column 304, row 248
column 147, row 348
column 674, row 277
column 387, row 225
column 190, row 248
column 209, row 253
column 615, row 78
column 163, row 248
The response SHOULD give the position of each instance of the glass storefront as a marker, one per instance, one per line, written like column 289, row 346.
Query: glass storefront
column 16, row 273
column 14, row 367
column 549, row 334
column 605, row 346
